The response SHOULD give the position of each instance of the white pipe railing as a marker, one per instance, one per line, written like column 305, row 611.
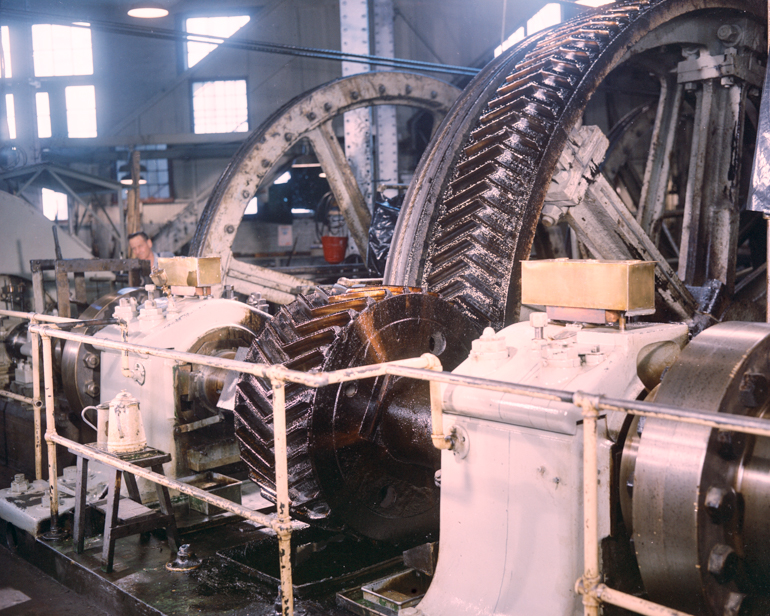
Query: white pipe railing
column 423, row 368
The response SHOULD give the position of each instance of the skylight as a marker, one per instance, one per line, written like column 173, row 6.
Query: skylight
column 220, row 27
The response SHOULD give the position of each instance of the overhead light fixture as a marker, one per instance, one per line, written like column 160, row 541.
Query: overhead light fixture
column 147, row 10
column 594, row 3
column 127, row 179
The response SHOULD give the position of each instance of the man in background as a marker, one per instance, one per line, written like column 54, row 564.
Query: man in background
column 140, row 246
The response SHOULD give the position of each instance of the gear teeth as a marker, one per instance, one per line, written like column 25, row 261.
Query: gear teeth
column 297, row 337
column 474, row 242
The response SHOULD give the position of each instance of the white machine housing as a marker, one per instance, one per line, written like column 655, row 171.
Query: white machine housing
column 511, row 500
column 176, row 323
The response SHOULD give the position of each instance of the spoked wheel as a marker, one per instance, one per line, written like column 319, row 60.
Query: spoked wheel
column 537, row 144
column 307, row 120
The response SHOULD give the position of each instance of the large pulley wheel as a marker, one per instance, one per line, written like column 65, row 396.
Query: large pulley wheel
column 309, row 119
column 360, row 453
column 699, row 496
column 471, row 213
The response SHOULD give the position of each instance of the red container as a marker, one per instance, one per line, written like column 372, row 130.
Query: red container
column 334, row 248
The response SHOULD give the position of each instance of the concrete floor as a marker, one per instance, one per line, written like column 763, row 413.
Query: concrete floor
column 27, row 591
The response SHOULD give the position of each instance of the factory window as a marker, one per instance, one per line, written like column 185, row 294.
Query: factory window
column 5, row 42
column 220, row 106
column 219, row 27
column 43, row 115
column 517, row 36
column 59, row 51
column 549, row 15
column 155, row 171
column 55, row 205
column 158, row 187
column 81, row 111
column 10, row 111
column 252, row 207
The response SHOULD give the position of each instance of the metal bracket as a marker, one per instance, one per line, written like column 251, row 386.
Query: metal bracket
column 701, row 65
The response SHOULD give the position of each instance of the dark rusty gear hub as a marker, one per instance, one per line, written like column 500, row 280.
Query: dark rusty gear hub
column 360, row 454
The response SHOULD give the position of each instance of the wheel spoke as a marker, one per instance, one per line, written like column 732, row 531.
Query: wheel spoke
column 343, row 183
column 600, row 218
column 688, row 248
column 277, row 141
column 657, row 170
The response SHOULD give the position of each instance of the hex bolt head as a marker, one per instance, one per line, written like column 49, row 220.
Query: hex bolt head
column 91, row 360
column 722, row 563
column 92, row 389
column 720, row 504
column 729, row 34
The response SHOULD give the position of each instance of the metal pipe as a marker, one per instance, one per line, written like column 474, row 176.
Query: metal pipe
column 748, row 425
column 641, row 606
column 17, row 397
column 440, row 440
column 590, row 502
column 282, row 496
column 50, row 431
column 34, row 316
column 254, row 516
column 767, row 269
column 413, row 368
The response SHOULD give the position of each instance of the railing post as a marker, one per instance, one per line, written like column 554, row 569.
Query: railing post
column 587, row 584
column 50, row 429
column 37, row 404
column 282, row 495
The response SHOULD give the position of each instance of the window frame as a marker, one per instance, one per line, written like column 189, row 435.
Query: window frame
column 192, row 104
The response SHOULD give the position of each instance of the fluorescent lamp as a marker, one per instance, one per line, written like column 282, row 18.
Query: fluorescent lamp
column 594, row 3
column 147, row 10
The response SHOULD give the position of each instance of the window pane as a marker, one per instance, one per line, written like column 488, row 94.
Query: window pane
column 221, row 27
column 252, row 207
column 517, row 36
column 10, row 111
column 61, row 50
column 549, row 15
column 55, row 205
column 220, row 106
column 43, row 115
column 158, row 186
column 81, row 111
column 5, row 40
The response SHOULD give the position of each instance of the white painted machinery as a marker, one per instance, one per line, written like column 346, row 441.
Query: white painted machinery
column 679, row 505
